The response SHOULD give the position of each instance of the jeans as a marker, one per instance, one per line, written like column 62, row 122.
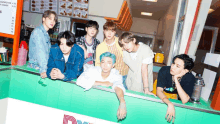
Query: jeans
column 124, row 81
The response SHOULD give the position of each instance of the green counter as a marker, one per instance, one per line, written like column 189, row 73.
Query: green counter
column 22, row 83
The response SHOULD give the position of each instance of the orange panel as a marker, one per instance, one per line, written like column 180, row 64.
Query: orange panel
column 216, row 98
column 121, row 13
column 17, row 32
column 6, row 35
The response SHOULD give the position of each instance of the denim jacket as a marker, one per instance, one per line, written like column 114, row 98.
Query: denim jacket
column 72, row 68
column 39, row 48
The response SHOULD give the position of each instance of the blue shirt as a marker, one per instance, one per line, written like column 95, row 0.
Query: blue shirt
column 39, row 48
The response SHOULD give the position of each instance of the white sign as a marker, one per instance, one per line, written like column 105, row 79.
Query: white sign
column 14, row 111
column 8, row 16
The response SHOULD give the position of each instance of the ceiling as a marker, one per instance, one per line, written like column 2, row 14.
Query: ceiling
column 158, row 8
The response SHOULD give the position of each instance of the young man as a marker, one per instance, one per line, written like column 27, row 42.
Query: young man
column 176, row 78
column 39, row 44
column 139, row 58
column 89, row 43
column 65, row 60
column 111, row 45
column 105, row 75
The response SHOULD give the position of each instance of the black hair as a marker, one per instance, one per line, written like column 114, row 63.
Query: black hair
column 69, row 36
column 92, row 24
column 188, row 62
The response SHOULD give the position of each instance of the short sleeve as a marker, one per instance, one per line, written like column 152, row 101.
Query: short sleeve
column 160, row 78
column 148, row 60
column 118, row 83
column 187, row 83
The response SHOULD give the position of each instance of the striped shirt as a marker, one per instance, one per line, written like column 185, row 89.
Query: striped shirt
column 119, row 65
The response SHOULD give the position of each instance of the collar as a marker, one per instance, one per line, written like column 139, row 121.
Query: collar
column 116, row 40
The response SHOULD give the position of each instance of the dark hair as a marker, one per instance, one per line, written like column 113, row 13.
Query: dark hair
column 126, row 37
column 92, row 24
column 188, row 62
column 109, row 25
column 69, row 36
column 48, row 13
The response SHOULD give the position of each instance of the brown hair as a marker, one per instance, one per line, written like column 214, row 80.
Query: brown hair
column 109, row 25
column 126, row 37
column 48, row 13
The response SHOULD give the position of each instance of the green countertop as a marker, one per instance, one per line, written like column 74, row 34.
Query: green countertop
column 22, row 83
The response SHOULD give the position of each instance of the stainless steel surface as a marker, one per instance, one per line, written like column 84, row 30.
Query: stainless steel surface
column 127, row 94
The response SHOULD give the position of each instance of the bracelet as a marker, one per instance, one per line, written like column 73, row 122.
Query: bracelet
column 146, row 87
column 164, row 98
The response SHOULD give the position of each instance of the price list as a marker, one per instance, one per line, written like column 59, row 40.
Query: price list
column 8, row 16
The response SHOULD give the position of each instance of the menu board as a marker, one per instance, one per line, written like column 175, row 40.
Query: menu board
column 8, row 10
column 26, row 5
column 66, row 7
column 81, row 8
column 42, row 5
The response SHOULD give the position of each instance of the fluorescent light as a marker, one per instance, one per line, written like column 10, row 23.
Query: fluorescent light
column 146, row 13
column 211, row 10
column 150, row 0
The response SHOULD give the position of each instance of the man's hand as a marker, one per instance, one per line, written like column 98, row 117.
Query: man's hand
column 56, row 74
column 122, row 111
column 170, row 113
column 43, row 75
column 146, row 91
column 59, row 74
column 180, row 75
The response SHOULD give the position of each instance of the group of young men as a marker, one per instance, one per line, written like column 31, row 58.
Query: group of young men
column 122, row 63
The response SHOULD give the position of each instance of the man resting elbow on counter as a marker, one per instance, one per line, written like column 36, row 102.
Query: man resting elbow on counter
column 176, row 79
column 105, row 75
column 65, row 60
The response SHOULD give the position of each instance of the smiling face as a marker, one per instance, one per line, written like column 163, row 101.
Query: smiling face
column 64, row 48
column 49, row 22
column 109, row 34
column 106, row 64
column 91, row 31
column 177, row 67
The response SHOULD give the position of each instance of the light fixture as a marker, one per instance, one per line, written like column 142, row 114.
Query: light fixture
column 211, row 10
column 146, row 13
column 150, row 0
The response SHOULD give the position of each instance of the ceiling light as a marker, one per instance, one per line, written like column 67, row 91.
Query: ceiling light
column 211, row 10
column 146, row 13
column 150, row 0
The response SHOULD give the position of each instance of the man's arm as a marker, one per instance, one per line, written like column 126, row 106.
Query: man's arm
column 121, row 114
column 170, row 109
column 40, row 50
column 144, row 73
column 182, row 94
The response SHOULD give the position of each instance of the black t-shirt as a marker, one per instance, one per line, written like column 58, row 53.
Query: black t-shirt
column 164, row 80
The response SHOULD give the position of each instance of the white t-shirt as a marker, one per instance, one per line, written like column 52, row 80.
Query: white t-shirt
column 66, row 57
column 147, row 60
column 88, row 78
column 90, row 52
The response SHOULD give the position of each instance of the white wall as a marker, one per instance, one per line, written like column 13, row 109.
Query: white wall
column 105, row 8
column 146, row 26
column 203, row 12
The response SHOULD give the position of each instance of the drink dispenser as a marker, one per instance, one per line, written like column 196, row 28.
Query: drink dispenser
column 199, row 83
